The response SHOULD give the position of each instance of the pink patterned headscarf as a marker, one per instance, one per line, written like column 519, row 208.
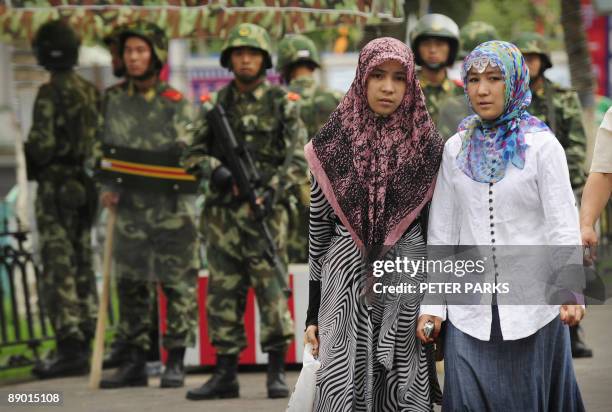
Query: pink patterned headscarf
column 377, row 172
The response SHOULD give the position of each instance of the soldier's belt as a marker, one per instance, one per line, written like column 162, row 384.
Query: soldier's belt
column 145, row 170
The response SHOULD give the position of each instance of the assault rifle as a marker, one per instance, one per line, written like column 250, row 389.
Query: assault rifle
column 248, row 180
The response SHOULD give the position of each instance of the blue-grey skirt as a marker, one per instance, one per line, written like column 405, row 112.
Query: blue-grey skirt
column 530, row 374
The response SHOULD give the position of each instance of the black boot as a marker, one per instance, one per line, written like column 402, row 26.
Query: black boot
column 277, row 387
column 132, row 372
column 223, row 383
column 579, row 348
column 174, row 373
column 69, row 360
column 117, row 355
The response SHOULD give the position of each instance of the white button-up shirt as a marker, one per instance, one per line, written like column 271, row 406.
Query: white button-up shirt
column 530, row 206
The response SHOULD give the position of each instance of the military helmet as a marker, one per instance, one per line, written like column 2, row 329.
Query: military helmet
column 296, row 48
column 473, row 34
column 247, row 35
column 56, row 46
column 435, row 25
column 535, row 43
column 149, row 32
column 112, row 37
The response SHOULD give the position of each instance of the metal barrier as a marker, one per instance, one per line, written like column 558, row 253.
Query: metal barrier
column 19, row 294
column 24, row 323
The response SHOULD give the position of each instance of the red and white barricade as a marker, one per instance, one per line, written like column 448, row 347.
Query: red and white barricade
column 203, row 352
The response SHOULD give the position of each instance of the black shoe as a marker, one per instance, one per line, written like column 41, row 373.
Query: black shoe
column 132, row 372
column 174, row 373
column 117, row 355
column 70, row 360
column 277, row 387
column 579, row 348
column 223, row 383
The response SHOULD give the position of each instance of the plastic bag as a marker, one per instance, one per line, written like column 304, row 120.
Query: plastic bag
column 302, row 399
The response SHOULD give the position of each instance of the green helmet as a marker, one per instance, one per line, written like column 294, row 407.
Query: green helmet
column 56, row 46
column 112, row 37
column 435, row 25
column 294, row 49
column 473, row 34
column 149, row 32
column 535, row 43
column 247, row 35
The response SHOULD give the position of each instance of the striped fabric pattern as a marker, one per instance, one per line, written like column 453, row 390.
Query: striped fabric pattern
column 354, row 344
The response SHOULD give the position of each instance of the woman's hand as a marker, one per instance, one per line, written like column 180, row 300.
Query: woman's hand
column 109, row 199
column 421, row 324
column 312, row 336
column 571, row 315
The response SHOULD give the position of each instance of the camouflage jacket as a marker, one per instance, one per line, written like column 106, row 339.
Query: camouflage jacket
column 436, row 94
column 64, row 124
column 158, row 120
column 316, row 103
column 267, row 121
column 564, row 117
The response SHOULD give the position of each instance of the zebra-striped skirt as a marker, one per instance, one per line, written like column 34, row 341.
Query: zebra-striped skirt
column 370, row 357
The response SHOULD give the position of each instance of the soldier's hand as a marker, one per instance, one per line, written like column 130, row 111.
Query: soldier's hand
column 109, row 199
column 312, row 336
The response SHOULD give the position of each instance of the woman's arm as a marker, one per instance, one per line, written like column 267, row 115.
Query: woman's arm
column 442, row 231
column 321, row 228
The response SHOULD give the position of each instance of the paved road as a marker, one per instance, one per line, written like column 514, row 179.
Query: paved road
column 594, row 378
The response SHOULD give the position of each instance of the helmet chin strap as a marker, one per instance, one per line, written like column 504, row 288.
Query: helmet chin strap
column 434, row 66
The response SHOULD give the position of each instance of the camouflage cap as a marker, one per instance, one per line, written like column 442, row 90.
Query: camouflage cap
column 435, row 25
column 296, row 48
column 247, row 35
column 151, row 33
column 56, row 45
column 531, row 42
column 473, row 34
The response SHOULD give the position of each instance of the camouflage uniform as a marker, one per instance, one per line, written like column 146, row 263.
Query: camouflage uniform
column 267, row 121
column 63, row 204
column 438, row 26
column 155, row 236
column 559, row 108
column 58, row 150
column 436, row 95
column 316, row 104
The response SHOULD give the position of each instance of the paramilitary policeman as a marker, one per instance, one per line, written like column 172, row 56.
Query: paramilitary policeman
column 60, row 143
column 265, row 120
column 435, row 43
column 147, row 124
column 560, row 109
column 297, row 61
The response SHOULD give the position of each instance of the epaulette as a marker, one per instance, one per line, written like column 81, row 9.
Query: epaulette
column 172, row 94
column 293, row 96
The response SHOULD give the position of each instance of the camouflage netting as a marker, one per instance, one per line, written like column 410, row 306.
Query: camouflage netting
column 93, row 19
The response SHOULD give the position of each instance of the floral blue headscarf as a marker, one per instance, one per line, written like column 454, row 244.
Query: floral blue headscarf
column 488, row 146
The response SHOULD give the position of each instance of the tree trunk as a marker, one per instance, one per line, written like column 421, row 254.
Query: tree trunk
column 580, row 65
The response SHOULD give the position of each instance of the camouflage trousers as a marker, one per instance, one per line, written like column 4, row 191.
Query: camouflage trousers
column 155, row 245
column 68, row 280
column 299, row 215
column 234, row 252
